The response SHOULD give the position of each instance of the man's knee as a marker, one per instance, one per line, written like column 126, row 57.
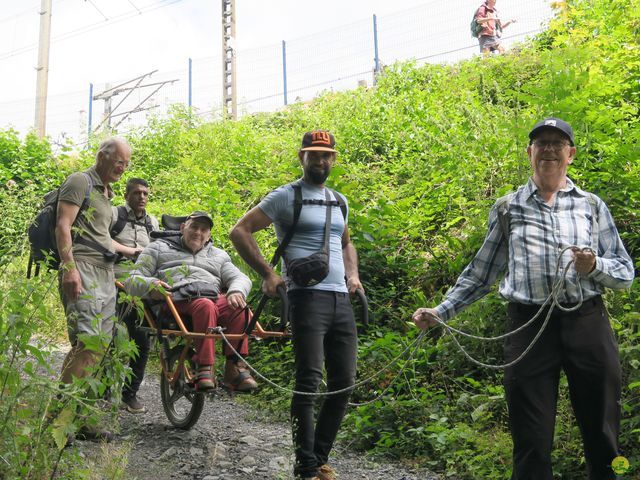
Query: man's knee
column 204, row 306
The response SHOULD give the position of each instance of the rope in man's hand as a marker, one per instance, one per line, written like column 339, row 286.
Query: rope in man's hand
column 584, row 260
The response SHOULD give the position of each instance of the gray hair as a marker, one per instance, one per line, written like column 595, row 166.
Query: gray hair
column 109, row 146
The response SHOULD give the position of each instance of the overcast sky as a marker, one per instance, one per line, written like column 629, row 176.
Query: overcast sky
column 107, row 41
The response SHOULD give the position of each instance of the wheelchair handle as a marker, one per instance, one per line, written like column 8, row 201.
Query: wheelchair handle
column 365, row 306
column 284, row 307
column 284, row 310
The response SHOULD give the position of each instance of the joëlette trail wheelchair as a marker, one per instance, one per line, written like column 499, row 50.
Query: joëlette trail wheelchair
column 181, row 402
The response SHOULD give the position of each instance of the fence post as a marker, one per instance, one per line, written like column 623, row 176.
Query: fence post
column 90, row 116
column 284, row 69
column 376, row 57
column 190, row 82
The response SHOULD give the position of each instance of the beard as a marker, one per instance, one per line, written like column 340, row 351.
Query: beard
column 318, row 176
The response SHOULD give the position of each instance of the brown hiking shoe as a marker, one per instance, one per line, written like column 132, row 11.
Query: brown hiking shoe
column 132, row 405
column 237, row 377
column 325, row 472
column 204, row 379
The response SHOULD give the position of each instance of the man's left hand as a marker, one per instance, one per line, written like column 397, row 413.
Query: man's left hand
column 584, row 260
column 236, row 300
column 353, row 284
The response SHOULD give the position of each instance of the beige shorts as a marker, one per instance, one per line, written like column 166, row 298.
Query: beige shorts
column 95, row 309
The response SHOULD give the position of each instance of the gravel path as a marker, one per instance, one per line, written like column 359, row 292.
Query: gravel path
column 227, row 443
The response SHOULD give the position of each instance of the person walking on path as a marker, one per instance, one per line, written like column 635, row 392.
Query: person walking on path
column 489, row 37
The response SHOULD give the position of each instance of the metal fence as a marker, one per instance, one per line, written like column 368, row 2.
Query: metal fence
column 295, row 70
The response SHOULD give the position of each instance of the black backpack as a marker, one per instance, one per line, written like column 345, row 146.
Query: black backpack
column 42, row 231
column 121, row 221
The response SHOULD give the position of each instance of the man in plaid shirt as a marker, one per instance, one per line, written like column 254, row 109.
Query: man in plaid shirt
column 544, row 217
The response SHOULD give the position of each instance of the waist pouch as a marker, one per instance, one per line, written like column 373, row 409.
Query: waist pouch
column 195, row 290
column 308, row 271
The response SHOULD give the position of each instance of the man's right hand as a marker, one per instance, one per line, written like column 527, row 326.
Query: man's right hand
column 425, row 317
column 71, row 283
column 270, row 284
column 156, row 292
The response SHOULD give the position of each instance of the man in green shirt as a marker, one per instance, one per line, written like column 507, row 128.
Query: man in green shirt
column 86, row 279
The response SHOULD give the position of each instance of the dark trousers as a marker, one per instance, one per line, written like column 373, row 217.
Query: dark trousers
column 324, row 334
column 582, row 344
column 136, row 363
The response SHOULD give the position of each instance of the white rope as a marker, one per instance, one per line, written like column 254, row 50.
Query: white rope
column 411, row 346
column 556, row 289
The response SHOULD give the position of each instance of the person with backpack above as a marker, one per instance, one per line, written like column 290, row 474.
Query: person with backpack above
column 320, row 272
column 130, row 230
column 549, row 221
column 86, row 277
column 489, row 27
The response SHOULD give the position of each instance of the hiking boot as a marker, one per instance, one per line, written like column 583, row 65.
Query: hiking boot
column 325, row 472
column 204, row 380
column 237, row 377
column 132, row 405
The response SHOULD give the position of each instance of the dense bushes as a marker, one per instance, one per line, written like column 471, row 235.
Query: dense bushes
column 422, row 157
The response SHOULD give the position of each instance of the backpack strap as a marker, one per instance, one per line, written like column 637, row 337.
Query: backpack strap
column 504, row 218
column 297, row 208
column 121, row 221
column 595, row 221
column 502, row 205
column 78, row 238
column 148, row 224
column 341, row 202
column 87, row 195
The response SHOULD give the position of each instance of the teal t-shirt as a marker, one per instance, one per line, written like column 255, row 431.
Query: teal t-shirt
column 309, row 234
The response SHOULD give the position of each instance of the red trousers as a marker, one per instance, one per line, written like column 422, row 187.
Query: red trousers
column 206, row 313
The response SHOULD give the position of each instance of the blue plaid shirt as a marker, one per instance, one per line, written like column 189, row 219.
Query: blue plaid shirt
column 537, row 234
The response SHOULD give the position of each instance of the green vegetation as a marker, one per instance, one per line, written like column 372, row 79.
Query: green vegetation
column 422, row 157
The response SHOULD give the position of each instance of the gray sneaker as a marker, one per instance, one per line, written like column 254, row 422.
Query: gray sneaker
column 133, row 405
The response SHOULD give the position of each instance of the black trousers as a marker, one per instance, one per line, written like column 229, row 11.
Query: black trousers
column 324, row 334
column 137, row 363
column 582, row 344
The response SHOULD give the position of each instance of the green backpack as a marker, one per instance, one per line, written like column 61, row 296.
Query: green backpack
column 476, row 28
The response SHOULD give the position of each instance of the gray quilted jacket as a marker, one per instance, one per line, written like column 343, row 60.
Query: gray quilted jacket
column 167, row 260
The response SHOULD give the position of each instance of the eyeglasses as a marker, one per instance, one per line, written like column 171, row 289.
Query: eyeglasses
column 554, row 144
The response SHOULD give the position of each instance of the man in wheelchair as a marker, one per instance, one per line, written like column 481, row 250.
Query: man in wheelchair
column 195, row 273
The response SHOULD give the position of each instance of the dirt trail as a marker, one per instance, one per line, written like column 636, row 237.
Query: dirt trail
column 229, row 442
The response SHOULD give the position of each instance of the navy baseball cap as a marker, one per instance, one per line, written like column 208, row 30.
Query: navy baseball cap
column 555, row 124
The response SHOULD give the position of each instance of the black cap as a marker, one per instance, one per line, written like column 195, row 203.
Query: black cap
column 200, row 214
column 555, row 124
column 318, row 140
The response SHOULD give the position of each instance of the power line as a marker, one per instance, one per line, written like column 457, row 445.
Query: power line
column 33, row 9
column 94, row 26
column 97, row 9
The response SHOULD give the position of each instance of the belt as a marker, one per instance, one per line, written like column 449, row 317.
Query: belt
column 588, row 302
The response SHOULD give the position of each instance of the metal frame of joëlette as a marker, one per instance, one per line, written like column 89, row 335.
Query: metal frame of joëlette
column 172, row 377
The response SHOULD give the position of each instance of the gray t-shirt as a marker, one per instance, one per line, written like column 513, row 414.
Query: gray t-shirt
column 309, row 234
